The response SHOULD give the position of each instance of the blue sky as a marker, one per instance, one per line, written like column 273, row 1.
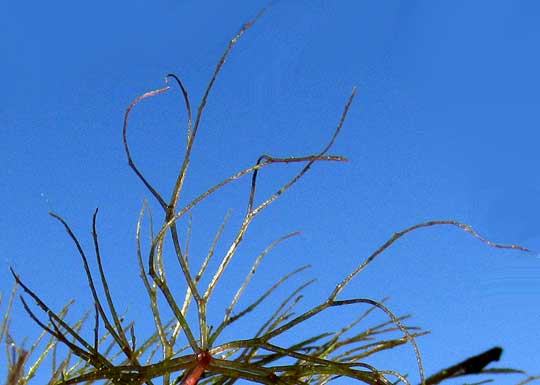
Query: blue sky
column 444, row 126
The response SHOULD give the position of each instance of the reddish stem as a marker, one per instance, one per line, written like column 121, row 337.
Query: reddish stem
column 193, row 376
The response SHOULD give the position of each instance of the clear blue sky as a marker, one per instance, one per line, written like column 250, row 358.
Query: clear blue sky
column 444, row 126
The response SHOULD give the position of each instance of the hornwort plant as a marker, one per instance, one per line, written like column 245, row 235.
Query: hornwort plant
column 115, row 357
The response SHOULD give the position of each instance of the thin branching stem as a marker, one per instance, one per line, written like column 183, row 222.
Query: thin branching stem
column 253, row 269
column 150, row 289
column 90, row 354
column 253, row 212
column 116, row 333
column 128, row 350
column 171, row 207
column 126, row 146
column 400, row 234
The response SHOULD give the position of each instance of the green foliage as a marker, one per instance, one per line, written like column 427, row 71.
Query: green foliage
column 118, row 357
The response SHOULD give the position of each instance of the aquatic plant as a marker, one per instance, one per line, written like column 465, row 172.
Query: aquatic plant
column 180, row 352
